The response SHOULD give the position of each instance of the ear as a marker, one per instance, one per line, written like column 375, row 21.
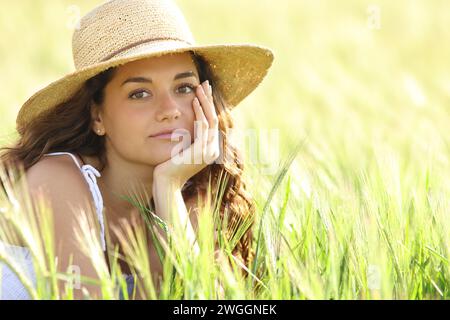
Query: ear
column 97, row 119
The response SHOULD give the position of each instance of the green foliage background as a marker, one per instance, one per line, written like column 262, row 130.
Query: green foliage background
column 369, row 190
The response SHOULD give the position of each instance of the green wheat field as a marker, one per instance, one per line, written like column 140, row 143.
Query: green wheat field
column 353, row 197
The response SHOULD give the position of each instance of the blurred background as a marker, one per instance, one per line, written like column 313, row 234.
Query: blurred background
column 352, row 78
column 364, row 84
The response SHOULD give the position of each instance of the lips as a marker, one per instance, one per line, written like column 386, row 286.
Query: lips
column 164, row 133
column 168, row 131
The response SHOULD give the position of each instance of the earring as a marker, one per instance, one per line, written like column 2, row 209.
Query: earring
column 98, row 131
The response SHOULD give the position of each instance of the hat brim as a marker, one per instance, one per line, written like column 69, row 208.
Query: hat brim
column 238, row 68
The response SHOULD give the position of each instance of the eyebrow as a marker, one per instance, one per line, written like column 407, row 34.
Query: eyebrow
column 182, row 75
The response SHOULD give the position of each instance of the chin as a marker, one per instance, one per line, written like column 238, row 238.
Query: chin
column 160, row 155
column 162, row 150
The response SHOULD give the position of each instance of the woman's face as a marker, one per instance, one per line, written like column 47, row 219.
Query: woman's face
column 143, row 98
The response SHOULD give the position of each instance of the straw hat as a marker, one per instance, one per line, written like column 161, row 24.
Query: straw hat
column 121, row 31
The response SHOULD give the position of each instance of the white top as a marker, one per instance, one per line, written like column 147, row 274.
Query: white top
column 10, row 286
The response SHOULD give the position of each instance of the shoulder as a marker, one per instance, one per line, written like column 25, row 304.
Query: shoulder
column 59, row 178
column 52, row 169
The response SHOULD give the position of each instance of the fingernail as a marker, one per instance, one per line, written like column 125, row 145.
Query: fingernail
column 210, row 89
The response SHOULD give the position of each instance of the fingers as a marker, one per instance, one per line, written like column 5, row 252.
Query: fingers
column 204, row 94
column 207, row 125
column 200, row 120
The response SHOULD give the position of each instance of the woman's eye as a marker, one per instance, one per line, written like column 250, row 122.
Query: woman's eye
column 138, row 95
column 186, row 88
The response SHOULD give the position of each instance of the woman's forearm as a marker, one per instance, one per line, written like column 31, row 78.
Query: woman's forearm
column 167, row 196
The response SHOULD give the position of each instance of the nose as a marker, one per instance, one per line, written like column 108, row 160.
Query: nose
column 168, row 108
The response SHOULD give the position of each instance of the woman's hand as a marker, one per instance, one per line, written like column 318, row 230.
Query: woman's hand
column 171, row 175
column 203, row 151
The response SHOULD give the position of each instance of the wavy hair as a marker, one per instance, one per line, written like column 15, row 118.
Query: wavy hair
column 68, row 127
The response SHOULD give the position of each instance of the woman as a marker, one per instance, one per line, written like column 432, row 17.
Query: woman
column 99, row 131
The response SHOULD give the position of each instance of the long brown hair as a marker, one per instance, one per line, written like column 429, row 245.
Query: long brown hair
column 68, row 127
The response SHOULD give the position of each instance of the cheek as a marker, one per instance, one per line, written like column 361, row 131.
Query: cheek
column 188, row 115
column 131, row 116
column 191, row 124
column 126, row 125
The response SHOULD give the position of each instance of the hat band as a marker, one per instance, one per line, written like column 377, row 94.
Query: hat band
column 139, row 43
